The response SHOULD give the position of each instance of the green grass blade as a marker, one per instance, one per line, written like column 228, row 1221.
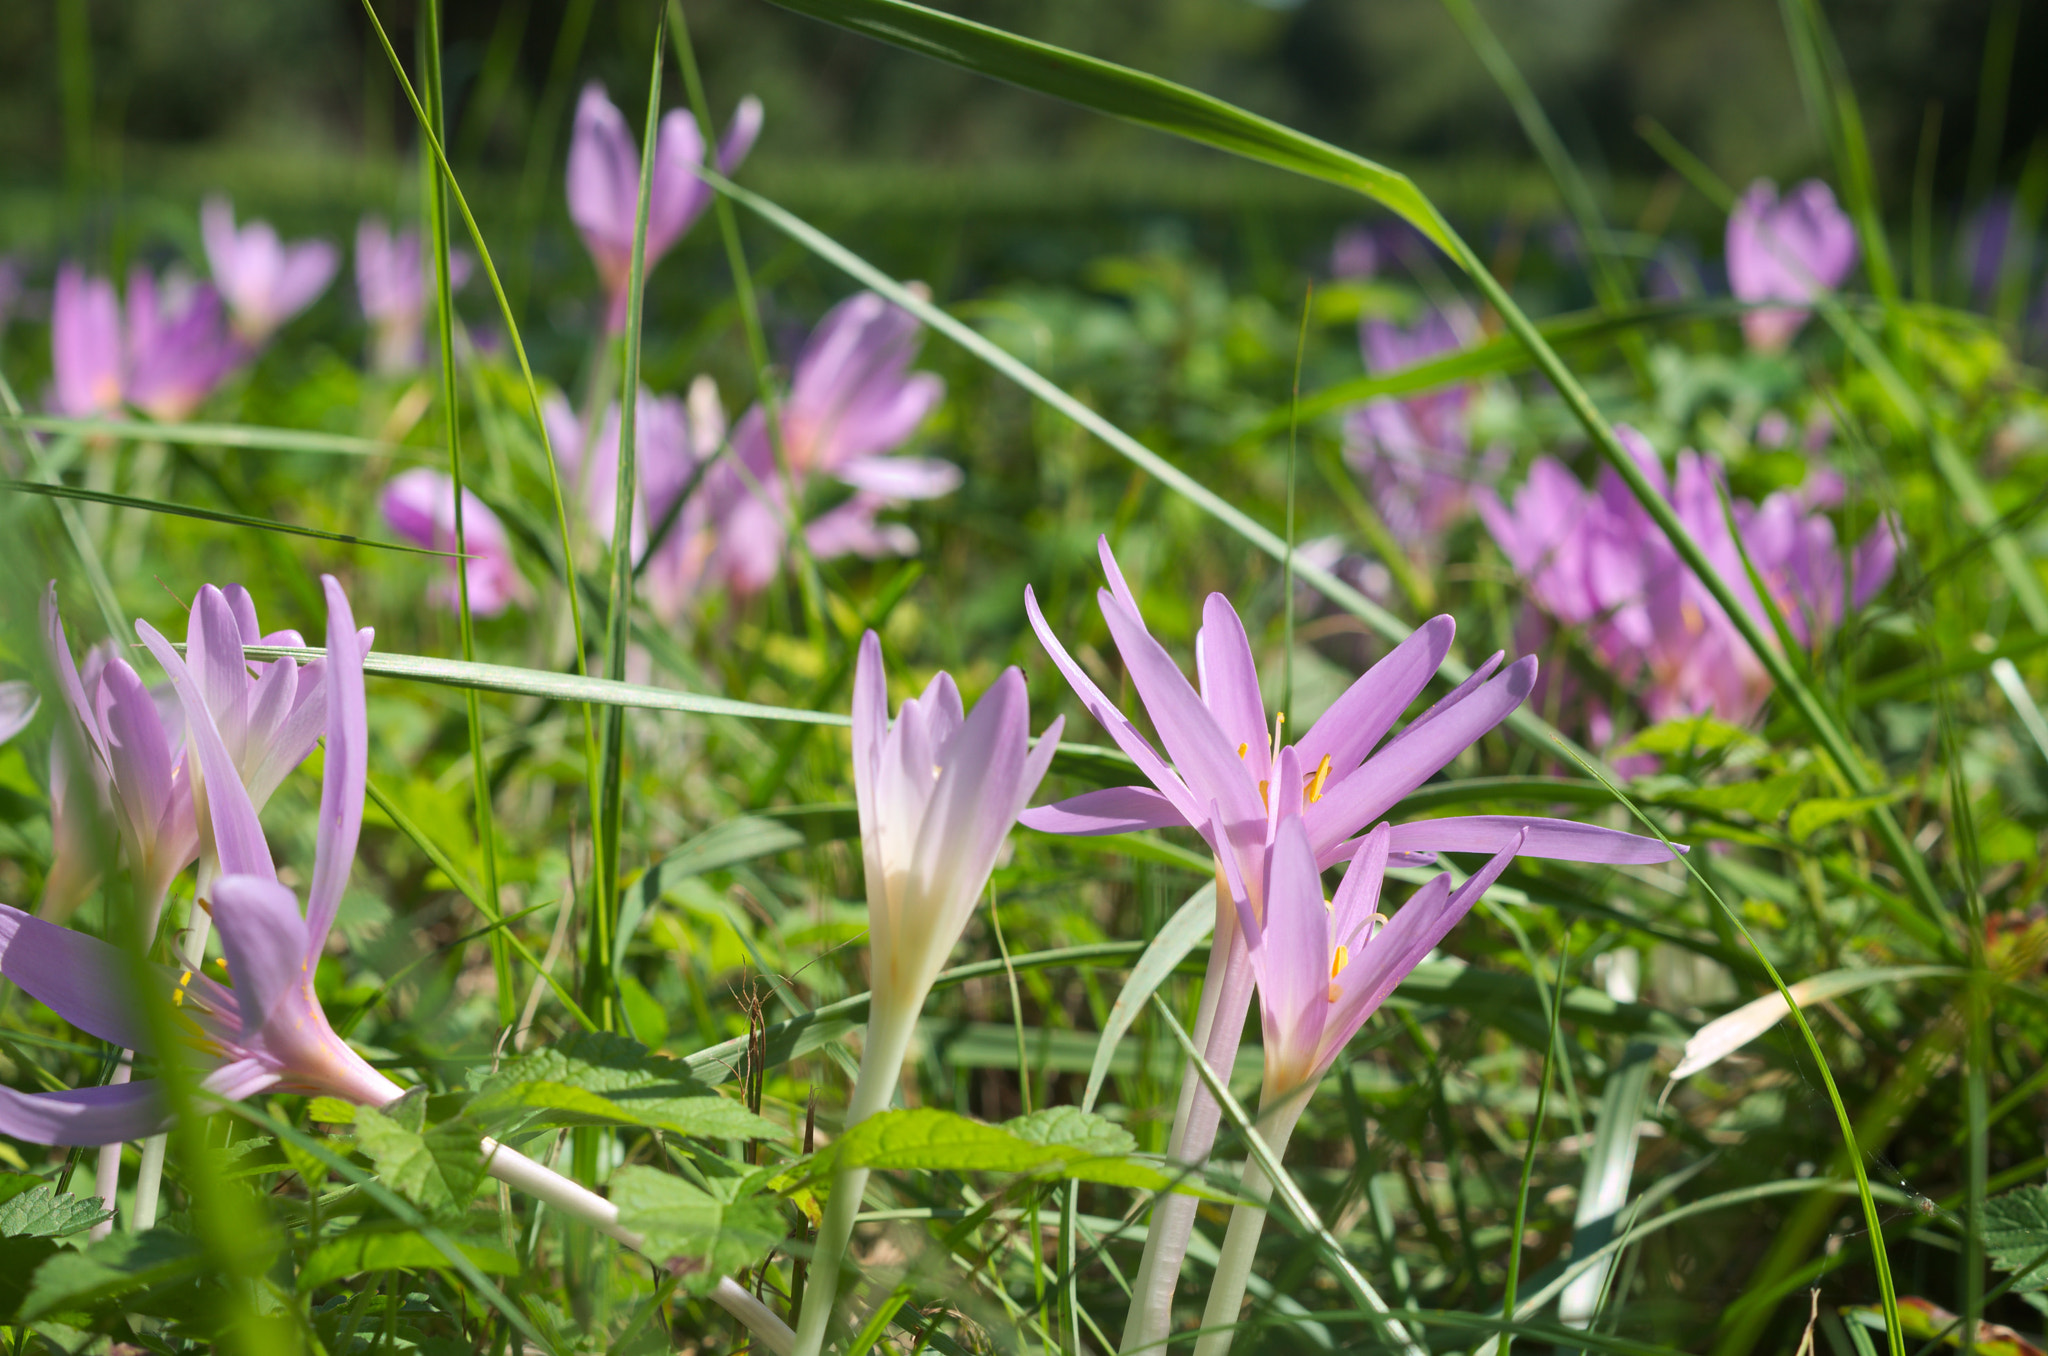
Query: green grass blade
column 102, row 588
column 61, row 491
column 451, row 403
column 1831, row 103
column 243, row 436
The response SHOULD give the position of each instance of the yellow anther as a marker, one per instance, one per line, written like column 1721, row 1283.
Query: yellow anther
column 1336, row 991
column 1243, row 749
column 184, row 979
column 1279, row 725
column 1317, row 779
column 1339, row 961
column 178, row 993
column 1262, row 794
column 221, row 961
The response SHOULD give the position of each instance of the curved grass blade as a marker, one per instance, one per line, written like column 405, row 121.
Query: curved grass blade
column 62, row 491
column 246, row 436
column 74, row 526
column 1187, row 929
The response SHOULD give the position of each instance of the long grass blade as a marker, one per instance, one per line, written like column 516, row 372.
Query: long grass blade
column 245, row 436
column 62, row 491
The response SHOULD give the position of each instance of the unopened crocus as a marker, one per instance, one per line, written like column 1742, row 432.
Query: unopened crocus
column 1222, row 768
column 1786, row 250
column 179, row 346
column 264, row 281
column 1324, row 967
column 420, row 506
column 393, row 283
column 1415, row 452
column 853, row 402
column 937, row 792
column 1594, row 563
column 88, row 362
column 604, row 184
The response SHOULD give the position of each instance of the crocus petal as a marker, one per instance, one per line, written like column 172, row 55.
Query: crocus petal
column 240, row 1078
column 901, row 477
column 18, row 703
column 603, row 182
column 85, row 1117
column 213, row 655
column 82, row 979
column 1293, row 955
column 870, row 732
column 1358, row 894
column 66, row 669
column 740, row 134
column 1113, row 572
column 347, row 769
column 1360, row 718
column 237, row 833
column 1230, row 683
column 1117, row 809
column 265, row 941
column 973, row 802
column 1557, row 839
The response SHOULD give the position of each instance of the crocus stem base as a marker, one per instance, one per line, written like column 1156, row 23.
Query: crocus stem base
column 1241, row 1241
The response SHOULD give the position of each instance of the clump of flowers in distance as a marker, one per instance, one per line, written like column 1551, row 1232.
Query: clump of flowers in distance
column 1789, row 250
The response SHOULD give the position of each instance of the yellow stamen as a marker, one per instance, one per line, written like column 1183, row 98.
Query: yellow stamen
column 1279, row 728
column 1243, row 749
column 1339, row 961
column 1317, row 779
column 178, row 994
column 1262, row 794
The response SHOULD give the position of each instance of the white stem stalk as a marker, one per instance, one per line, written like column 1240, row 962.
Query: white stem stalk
column 1173, row 1215
column 106, row 1178
column 518, row 1171
column 890, row 1028
column 1241, row 1241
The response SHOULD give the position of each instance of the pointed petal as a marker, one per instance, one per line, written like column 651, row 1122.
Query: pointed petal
column 972, row 806
column 1294, row 980
column 265, row 941
column 239, row 1079
column 84, row 1116
column 138, row 754
column 66, row 669
column 1114, row 573
column 1230, row 683
column 82, row 979
column 1358, row 894
column 347, row 771
column 213, row 655
column 1360, row 718
column 870, row 733
column 237, row 833
column 1119, row 809
column 1557, row 839
column 1384, row 962
column 1409, row 762
column 1473, row 681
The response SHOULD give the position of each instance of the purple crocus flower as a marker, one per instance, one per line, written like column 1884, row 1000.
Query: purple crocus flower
column 264, row 281
column 420, row 506
column 268, row 1030
column 853, row 400
column 1324, row 967
column 1790, row 250
column 1222, row 771
column 1415, row 452
column 87, row 359
column 392, row 282
column 179, row 347
column 604, row 184
column 1593, row 561
column 937, row 791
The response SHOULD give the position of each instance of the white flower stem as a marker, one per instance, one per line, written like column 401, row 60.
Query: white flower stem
column 579, row 1202
column 1173, row 1215
column 890, row 1028
column 1241, row 1241
column 106, row 1178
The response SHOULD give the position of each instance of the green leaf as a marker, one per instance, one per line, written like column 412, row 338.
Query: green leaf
column 19, row 1258
column 600, row 1078
column 1693, row 735
column 2016, row 1234
column 726, row 1228
column 1814, row 815
column 119, row 1264
column 437, row 1168
column 331, row 1111
column 729, row 844
column 44, row 1212
column 1763, row 799
column 1069, row 1127
column 644, row 1015
column 394, row 1249
column 930, row 1140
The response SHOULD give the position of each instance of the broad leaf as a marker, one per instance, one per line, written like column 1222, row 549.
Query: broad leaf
column 119, row 1264
column 713, row 1233
column 44, row 1212
column 437, row 1168
column 598, row 1078
column 930, row 1140
column 1070, row 1128
column 394, row 1249
column 1693, row 735
column 2016, row 1234
column 1812, row 816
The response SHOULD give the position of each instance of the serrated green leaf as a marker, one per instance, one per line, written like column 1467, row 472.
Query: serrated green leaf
column 119, row 1264
column 599, row 1078
column 437, row 1168
column 394, row 1249
column 1069, row 1127
column 1810, row 817
column 12, row 1184
column 2016, row 1234
column 44, row 1212
column 726, row 1228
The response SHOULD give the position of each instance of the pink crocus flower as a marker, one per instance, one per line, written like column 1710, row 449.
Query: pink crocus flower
column 1592, row 561
column 420, row 506
column 179, row 347
column 938, row 791
column 1788, row 250
column 853, row 401
column 264, row 281
column 87, row 359
column 1416, row 451
column 268, row 1030
column 394, row 285
column 604, row 184
column 1223, row 768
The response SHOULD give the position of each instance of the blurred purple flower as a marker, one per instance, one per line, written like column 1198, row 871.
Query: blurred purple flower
column 604, row 184
column 1415, row 452
column 420, row 506
column 264, row 281
column 1986, row 241
column 18, row 703
column 179, row 346
column 1792, row 249
column 1593, row 561
column 393, row 282
column 1361, row 251
column 853, row 400
column 87, row 359
column 268, row 1030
